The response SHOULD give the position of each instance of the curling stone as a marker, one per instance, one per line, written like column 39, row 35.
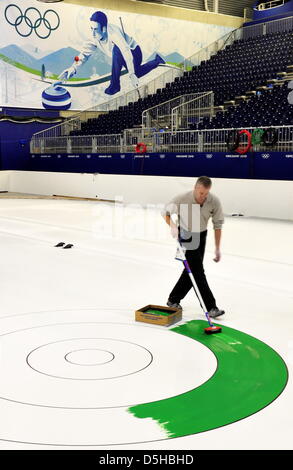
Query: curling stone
column 56, row 97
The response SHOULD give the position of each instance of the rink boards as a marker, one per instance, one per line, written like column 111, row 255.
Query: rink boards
column 269, row 165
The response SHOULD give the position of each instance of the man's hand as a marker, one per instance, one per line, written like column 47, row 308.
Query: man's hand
column 67, row 73
column 217, row 256
column 173, row 226
column 218, row 235
column 134, row 80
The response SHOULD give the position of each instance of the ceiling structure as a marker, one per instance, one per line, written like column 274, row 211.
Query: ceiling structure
column 225, row 7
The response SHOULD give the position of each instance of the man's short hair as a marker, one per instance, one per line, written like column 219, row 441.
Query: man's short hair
column 204, row 181
column 99, row 17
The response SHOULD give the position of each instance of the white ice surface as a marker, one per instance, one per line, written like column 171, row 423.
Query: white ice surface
column 122, row 261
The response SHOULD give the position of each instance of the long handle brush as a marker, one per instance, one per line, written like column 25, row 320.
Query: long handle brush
column 212, row 329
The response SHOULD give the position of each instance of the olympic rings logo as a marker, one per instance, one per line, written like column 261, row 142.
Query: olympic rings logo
column 32, row 20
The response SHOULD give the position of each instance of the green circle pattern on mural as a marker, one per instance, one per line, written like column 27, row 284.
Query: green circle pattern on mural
column 249, row 376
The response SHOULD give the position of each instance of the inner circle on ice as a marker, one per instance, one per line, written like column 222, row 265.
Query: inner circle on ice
column 50, row 359
column 56, row 360
column 89, row 357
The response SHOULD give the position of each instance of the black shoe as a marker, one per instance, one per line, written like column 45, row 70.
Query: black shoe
column 174, row 305
column 68, row 246
column 60, row 244
column 215, row 312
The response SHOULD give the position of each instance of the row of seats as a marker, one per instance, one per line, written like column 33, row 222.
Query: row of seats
column 240, row 67
column 267, row 108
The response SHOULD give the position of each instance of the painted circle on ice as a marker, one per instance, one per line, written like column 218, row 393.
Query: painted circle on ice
column 173, row 378
column 250, row 376
column 52, row 359
column 142, row 370
column 89, row 357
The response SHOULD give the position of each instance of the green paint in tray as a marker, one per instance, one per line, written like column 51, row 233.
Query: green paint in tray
column 152, row 311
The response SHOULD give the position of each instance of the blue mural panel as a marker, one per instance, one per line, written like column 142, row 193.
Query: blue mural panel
column 62, row 56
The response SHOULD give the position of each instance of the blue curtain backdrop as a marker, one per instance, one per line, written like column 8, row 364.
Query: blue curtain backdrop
column 15, row 143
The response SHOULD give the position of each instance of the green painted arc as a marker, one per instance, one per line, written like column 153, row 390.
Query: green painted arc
column 249, row 376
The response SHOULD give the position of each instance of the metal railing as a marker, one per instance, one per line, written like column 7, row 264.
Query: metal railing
column 143, row 91
column 192, row 111
column 270, row 4
column 215, row 140
column 161, row 115
column 207, row 52
column 132, row 137
column 78, row 144
column 169, row 75
column 61, row 130
column 123, row 99
column 270, row 27
column 74, row 123
column 207, row 140
column 114, row 143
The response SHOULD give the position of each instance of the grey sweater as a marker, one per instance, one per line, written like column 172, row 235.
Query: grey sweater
column 192, row 216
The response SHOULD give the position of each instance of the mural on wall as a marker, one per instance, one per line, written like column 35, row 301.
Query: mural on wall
column 65, row 56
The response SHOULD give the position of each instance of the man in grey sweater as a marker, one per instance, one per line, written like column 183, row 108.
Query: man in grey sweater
column 191, row 231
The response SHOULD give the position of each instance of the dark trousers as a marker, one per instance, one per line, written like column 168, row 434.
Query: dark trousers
column 140, row 69
column 183, row 286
